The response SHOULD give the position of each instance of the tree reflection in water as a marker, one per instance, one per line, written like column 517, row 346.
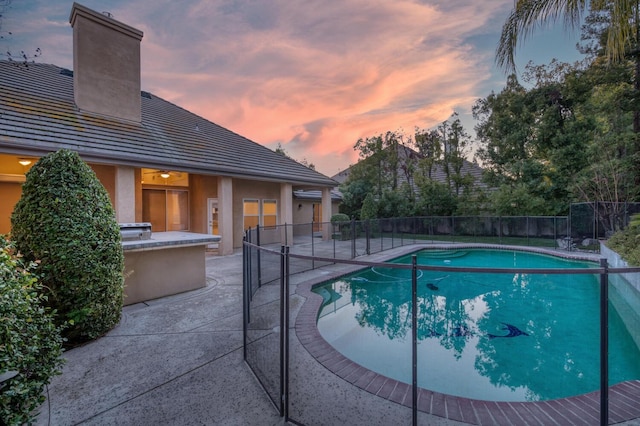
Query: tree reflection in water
column 555, row 356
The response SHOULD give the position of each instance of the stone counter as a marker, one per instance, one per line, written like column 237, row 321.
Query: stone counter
column 167, row 263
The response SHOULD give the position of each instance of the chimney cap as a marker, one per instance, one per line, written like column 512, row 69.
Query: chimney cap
column 104, row 18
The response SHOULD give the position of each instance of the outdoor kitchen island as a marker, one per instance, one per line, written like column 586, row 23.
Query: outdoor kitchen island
column 162, row 264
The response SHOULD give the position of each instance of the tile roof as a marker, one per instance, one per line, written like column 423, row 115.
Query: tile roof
column 38, row 115
column 315, row 195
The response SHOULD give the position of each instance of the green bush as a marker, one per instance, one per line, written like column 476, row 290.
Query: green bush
column 30, row 343
column 342, row 224
column 66, row 221
column 339, row 217
column 627, row 242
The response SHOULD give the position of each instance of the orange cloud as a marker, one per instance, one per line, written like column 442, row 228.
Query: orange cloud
column 314, row 76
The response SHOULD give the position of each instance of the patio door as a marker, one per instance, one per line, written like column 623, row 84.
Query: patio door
column 212, row 218
column 317, row 217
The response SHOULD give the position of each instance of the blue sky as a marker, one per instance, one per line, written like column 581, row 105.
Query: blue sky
column 313, row 76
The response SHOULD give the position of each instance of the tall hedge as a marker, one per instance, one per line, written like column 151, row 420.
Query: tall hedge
column 30, row 343
column 66, row 222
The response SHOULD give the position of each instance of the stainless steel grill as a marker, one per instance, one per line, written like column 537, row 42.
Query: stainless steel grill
column 135, row 231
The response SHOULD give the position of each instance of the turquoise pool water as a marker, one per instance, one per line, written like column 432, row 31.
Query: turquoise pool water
column 500, row 337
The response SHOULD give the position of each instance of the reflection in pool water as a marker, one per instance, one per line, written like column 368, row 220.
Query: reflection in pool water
column 501, row 337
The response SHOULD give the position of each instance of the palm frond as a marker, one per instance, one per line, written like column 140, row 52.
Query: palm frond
column 526, row 17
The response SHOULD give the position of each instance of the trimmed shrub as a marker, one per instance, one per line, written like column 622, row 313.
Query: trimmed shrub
column 65, row 220
column 30, row 343
column 339, row 217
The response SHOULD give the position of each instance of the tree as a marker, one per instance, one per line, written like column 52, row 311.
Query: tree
column 622, row 40
column 456, row 143
column 280, row 150
column 540, row 137
column 65, row 221
column 378, row 170
column 607, row 183
column 369, row 208
column 379, row 159
column 353, row 192
column 429, row 145
column 434, row 198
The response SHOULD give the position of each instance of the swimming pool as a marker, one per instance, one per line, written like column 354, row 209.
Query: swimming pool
column 501, row 337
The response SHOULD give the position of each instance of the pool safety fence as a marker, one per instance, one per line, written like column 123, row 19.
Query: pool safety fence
column 354, row 238
column 599, row 219
column 276, row 356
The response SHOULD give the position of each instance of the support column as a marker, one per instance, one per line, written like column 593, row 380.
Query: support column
column 225, row 215
column 326, row 214
column 125, row 194
column 286, row 213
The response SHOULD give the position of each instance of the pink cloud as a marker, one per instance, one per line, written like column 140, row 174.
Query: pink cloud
column 314, row 76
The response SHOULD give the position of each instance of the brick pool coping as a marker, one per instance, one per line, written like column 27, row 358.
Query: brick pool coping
column 584, row 409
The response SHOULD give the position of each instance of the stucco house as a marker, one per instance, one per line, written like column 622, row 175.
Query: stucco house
column 160, row 163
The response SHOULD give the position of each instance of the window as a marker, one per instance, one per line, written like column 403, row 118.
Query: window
column 251, row 213
column 177, row 210
column 269, row 213
column 166, row 210
column 260, row 212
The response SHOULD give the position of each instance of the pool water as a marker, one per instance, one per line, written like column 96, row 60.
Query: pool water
column 499, row 337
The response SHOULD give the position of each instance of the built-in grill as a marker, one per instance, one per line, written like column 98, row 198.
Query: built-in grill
column 135, row 231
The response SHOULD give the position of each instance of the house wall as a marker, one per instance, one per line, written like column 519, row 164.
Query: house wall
column 12, row 176
column 201, row 189
column 10, row 193
column 245, row 189
column 303, row 210
column 107, row 176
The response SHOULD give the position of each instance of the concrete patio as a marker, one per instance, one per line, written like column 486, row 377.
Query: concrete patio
column 179, row 361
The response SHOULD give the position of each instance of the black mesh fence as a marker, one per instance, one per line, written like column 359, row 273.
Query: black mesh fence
column 356, row 238
column 263, row 304
column 274, row 351
column 598, row 219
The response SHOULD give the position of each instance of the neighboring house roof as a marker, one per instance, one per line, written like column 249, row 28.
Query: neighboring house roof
column 315, row 195
column 438, row 173
column 38, row 115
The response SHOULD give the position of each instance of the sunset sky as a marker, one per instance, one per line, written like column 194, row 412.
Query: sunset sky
column 312, row 75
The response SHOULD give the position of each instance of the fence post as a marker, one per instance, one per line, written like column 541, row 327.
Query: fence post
column 284, row 332
column 313, row 247
column 282, row 328
column 453, row 229
column 393, row 233
column 258, row 256
column 245, row 297
column 414, row 339
column 333, row 236
column 367, row 235
column 604, row 343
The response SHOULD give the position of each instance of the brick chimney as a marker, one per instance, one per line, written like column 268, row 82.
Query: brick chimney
column 106, row 62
